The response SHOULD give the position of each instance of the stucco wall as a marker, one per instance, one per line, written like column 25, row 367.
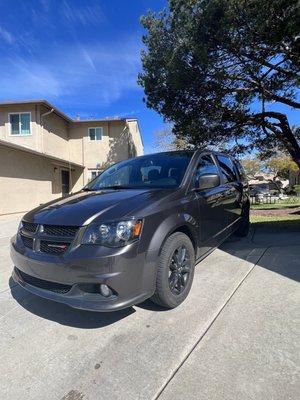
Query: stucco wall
column 31, row 141
column 27, row 180
column 113, row 147
column 54, row 135
column 135, row 135
column 50, row 137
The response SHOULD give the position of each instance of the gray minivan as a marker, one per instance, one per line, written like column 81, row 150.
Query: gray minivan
column 134, row 232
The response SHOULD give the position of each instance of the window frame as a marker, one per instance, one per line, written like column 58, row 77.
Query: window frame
column 95, row 127
column 20, row 133
column 97, row 171
column 239, row 169
column 212, row 156
column 237, row 178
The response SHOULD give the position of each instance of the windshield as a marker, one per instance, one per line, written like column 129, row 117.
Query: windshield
column 164, row 170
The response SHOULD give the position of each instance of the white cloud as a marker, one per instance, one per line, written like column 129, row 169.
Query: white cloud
column 88, row 58
column 6, row 36
column 84, row 15
column 27, row 80
column 93, row 73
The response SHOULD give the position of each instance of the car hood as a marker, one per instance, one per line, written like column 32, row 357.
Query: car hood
column 83, row 207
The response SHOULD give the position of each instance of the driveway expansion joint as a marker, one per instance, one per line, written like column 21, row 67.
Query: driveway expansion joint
column 208, row 327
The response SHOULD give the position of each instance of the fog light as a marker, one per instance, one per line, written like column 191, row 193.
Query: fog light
column 105, row 290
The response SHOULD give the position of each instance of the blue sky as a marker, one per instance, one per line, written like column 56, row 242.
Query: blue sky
column 81, row 55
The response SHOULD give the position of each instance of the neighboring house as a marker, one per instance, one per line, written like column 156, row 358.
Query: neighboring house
column 44, row 154
column 269, row 179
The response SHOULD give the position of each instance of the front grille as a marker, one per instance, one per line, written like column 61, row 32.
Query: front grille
column 47, row 237
column 53, row 247
column 42, row 284
column 29, row 226
column 27, row 241
column 60, row 230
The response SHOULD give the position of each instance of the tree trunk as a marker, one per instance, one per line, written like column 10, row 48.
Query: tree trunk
column 289, row 140
column 284, row 133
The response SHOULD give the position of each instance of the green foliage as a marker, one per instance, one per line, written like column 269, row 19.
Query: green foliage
column 297, row 188
column 215, row 68
column 252, row 167
column 281, row 166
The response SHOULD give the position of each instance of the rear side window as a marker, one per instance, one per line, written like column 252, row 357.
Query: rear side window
column 206, row 165
column 227, row 169
column 240, row 169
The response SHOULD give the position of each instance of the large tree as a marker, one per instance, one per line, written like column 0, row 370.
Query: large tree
column 218, row 69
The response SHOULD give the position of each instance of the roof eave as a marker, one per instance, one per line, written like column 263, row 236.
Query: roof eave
column 37, row 153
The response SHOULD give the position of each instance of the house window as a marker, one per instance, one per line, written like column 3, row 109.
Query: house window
column 19, row 124
column 95, row 133
column 94, row 174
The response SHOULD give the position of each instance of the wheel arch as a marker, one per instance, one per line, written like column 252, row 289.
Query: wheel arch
column 184, row 223
column 187, row 231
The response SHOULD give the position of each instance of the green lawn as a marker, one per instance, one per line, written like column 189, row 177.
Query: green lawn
column 286, row 203
column 273, row 222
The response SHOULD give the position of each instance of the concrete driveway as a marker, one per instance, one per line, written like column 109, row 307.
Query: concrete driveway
column 235, row 337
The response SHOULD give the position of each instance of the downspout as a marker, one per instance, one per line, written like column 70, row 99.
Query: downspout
column 69, row 159
column 127, row 133
column 82, row 147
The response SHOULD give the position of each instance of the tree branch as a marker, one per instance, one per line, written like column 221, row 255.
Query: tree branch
column 265, row 63
column 281, row 99
column 271, row 69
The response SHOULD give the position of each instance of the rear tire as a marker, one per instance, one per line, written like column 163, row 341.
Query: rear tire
column 244, row 227
column 175, row 271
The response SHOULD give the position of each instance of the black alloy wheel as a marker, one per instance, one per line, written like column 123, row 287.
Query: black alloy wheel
column 175, row 271
column 179, row 270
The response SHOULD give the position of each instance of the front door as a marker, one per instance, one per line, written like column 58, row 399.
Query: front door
column 233, row 190
column 65, row 182
column 209, row 205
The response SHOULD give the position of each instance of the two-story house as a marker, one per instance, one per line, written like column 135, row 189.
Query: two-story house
column 45, row 154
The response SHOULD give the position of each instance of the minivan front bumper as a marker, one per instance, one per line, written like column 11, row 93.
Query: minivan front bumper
column 126, row 272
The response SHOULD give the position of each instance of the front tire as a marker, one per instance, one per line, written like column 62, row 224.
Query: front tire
column 175, row 271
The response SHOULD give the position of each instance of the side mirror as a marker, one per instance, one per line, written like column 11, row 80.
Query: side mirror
column 207, row 181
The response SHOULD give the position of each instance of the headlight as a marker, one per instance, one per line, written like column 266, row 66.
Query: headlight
column 113, row 234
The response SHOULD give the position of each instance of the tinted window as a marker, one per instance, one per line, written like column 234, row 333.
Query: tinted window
column 95, row 133
column 227, row 169
column 157, row 170
column 20, row 124
column 206, row 165
column 240, row 169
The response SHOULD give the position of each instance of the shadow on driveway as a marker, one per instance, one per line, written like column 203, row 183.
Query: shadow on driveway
column 63, row 314
column 279, row 244
column 271, row 247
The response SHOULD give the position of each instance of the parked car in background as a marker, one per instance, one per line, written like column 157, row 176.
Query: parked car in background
column 134, row 232
column 259, row 189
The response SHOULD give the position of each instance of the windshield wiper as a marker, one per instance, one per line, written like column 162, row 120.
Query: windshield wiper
column 115, row 187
